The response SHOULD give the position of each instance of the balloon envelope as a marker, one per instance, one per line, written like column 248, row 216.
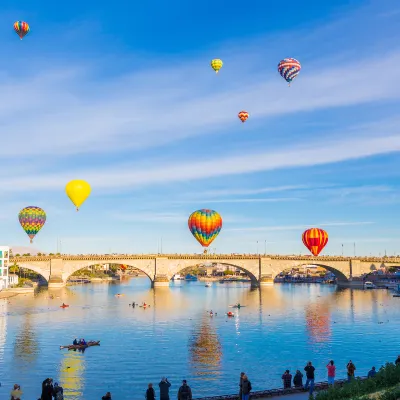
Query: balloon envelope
column 216, row 64
column 315, row 240
column 32, row 220
column 78, row 191
column 21, row 28
column 205, row 226
column 243, row 115
column 289, row 68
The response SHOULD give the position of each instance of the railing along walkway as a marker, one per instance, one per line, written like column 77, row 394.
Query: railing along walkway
column 278, row 392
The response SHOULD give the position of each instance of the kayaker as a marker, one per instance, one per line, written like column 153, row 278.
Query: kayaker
column 238, row 305
column 83, row 342
column 75, row 342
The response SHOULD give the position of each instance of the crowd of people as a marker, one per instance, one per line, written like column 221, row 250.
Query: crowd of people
column 54, row 391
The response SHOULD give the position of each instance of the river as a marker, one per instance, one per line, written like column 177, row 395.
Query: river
column 281, row 327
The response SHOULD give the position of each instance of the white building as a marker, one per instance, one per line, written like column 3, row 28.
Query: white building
column 4, row 259
column 12, row 279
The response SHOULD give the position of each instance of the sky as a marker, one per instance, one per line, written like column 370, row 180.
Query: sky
column 123, row 96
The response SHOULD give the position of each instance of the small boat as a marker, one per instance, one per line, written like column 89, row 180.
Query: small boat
column 369, row 285
column 208, row 284
column 80, row 346
column 230, row 314
column 237, row 306
column 177, row 277
column 119, row 295
column 64, row 306
column 189, row 277
column 396, row 295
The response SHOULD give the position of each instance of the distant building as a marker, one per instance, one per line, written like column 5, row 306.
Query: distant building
column 4, row 259
column 12, row 279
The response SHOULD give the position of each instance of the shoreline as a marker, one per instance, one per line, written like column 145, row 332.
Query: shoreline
column 7, row 294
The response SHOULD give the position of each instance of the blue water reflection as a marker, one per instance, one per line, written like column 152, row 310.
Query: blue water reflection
column 281, row 327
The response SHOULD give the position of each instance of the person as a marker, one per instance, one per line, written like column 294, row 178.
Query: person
column 331, row 372
column 350, row 370
column 150, row 393
column 372, row 373
column 397, row 362
column 75, row 342
column 242, row 374
column 246, row 388
column 238, row 305
column 47, row 389
column 107, row 396
column 164, row 386
column 63, row 305
column 298, row 379
column 310, row 374
column 16, row 393
column 58, row 392
column 287, row 379
column 185, row 393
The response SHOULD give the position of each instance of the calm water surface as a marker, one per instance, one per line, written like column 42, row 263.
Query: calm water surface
column 281, row 327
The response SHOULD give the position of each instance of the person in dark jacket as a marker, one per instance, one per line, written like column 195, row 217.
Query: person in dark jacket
column 372, row 373
column 164, row 386
column 298, row 379
column 310, row 377
column 47, row 389
column 185, row 393
column 287, row 379
column 397, row 362
column 246, row 388
column 58, row 392
column 150, row 393
column 242, row 374
column 107, row 396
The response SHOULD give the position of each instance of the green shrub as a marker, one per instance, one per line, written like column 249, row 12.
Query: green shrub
column 387, row 376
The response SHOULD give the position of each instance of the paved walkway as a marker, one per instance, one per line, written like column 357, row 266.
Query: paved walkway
column 296, row 396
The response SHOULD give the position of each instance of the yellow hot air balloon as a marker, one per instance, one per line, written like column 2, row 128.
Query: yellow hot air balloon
column 78, row 191
column 216, row 64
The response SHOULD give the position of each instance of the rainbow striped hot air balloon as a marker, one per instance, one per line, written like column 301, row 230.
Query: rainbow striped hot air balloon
column 32, row 220
column 21, row 28
column 205, row 226
column 289, row 68
column 315, row 240
column 216, row 64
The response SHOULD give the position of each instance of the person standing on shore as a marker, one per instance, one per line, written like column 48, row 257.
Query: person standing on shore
column 107, row 396
column 185, row 393
column 372, row 373
column 397, row 362
column 298, row 379
column 164, row 386
column 150, row 393
column 331, row 372
column 246, row 388
column 16, row 393
column 47, row 389
column 310, row 374
column 350, row 370
column 287, row 379
column 242, row 374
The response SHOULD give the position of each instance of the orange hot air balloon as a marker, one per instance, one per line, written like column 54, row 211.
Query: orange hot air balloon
column 315, row 240
column 243, row 115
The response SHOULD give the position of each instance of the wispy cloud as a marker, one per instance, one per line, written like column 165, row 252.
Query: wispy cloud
column 244, row 192
column 266, row 200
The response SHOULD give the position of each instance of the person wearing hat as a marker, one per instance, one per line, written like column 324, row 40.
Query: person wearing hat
column 58, row 392
column 16, row 393
column 164, row 386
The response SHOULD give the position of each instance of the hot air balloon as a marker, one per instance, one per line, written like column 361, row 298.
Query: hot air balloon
column 21, row 28
column 32, row 220
column 78, row 191
column 289, row 68
column 315, row 240
column 205, row 226
column 243, row 115
column 216, row 64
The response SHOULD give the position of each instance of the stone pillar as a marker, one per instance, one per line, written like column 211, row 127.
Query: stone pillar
column 266, row 280
column 56, row 271
column 160, row 281
column 161, row 278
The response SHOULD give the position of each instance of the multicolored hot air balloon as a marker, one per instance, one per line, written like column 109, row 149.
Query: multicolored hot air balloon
column 216, row 64
column 78, row 191
column 205, row 226
column 289, row 68
column 32, row 220
column 21, row 28
column 315, row 240
column 243, row 115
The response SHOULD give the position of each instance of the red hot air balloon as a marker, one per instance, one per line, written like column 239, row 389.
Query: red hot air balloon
column 243, row 115
column 205, row 226
column 315, row 240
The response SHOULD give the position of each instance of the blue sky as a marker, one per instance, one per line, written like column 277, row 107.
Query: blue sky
column 123, row 96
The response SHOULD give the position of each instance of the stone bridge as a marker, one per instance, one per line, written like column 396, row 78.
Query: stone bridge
column 262, row 269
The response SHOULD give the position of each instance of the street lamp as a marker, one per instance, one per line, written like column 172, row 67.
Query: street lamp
column 265, row 247
column 257, row 246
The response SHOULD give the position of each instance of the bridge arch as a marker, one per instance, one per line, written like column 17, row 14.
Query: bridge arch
column 45, row 274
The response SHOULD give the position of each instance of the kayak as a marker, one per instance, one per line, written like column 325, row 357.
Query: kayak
column 80, row 346
column 230, row 314
column 237, row 306
column 64, row 306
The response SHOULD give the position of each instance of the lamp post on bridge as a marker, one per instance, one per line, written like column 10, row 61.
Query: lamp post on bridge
column 257, row 246
column 342, row 249
column 265, row 247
